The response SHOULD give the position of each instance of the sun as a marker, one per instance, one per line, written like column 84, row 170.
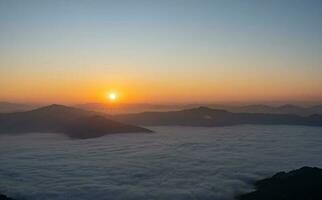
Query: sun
column 112, row 96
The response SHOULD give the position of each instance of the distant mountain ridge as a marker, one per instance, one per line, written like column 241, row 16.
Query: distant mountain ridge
column 204, row 116
column 73, row 122
column 121, row 108
column 284, row 109
column 253, row 108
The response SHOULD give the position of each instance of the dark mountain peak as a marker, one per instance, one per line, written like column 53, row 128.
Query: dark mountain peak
column 259, row 106
column 303, row 183
column 299, row 173
column 74, row 122
column 204, row 109
column 289, row 106
column 55, row 107
column 61, row 110
column 307, row 169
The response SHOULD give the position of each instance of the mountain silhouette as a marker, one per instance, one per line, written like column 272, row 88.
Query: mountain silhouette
column 303, row 183
column 204, row 116
column 4, row 197
column 71, row 121
column 8, row 107
column 97, row 126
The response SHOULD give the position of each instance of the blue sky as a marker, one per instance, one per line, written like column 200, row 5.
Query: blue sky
column 269, row 48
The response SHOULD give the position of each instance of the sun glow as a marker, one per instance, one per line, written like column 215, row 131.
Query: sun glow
column 112, row 96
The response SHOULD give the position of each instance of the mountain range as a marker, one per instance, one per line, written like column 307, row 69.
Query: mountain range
column 254, row 108
column 73, row 122
column 122, row 108
column 204, row 116
column 79, row 123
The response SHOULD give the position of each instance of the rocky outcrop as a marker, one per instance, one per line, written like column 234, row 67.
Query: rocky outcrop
column 301, row 184
column 4, row 197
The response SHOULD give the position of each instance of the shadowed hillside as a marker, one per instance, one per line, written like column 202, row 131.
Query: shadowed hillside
column 204, row 116
column 73, row 122
column 304, row 183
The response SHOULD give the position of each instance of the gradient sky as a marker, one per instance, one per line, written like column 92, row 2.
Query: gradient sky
column 161, row 51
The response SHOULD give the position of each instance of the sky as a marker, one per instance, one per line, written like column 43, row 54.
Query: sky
column 154, row 51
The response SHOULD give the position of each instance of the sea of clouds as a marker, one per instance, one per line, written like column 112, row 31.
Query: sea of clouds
column 174, row 163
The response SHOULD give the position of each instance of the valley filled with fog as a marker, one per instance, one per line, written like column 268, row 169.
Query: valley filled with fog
column 175, row 163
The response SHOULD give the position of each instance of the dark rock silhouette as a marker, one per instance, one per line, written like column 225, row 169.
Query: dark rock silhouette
column 96, row 126
column 304, row 183
column 73, row 122
column 4, row 197
column 204, row 116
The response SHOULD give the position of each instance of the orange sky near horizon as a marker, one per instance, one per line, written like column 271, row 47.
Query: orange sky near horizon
column 181, row 89
column 163, row 52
